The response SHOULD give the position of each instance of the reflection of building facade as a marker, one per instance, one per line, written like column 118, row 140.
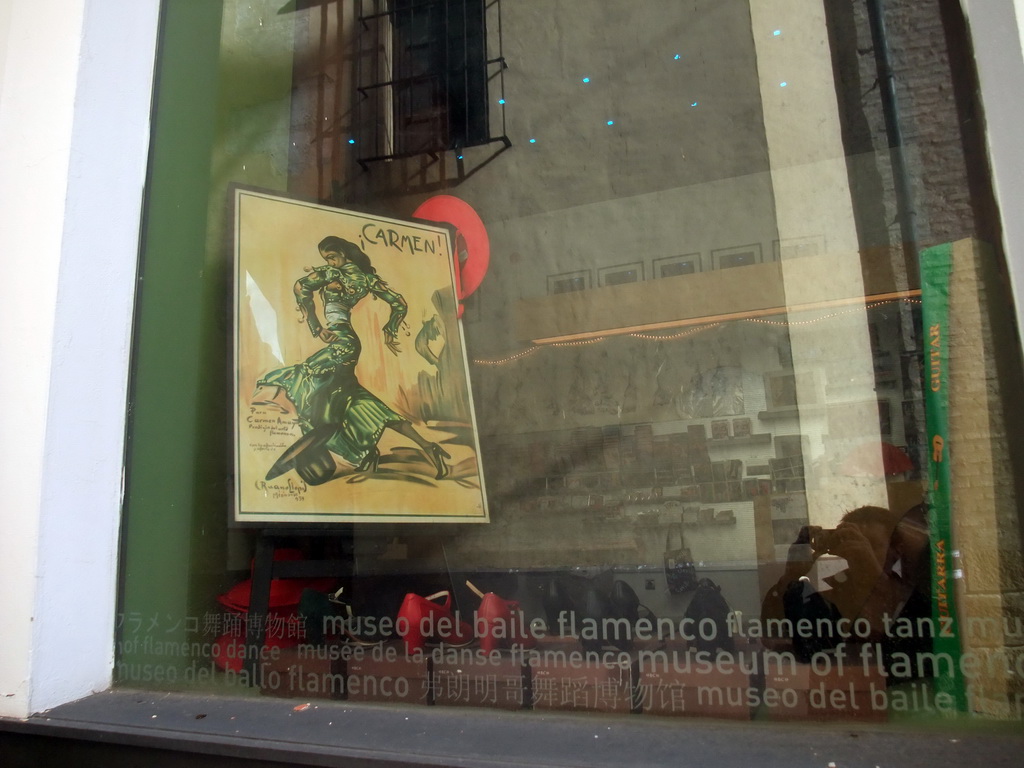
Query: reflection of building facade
column 702, row 311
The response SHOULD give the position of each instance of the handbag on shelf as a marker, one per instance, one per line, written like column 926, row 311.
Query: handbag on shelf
column 680, row 572
column 709, row 603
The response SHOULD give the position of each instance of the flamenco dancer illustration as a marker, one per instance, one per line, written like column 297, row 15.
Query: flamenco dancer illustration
column 336, row 413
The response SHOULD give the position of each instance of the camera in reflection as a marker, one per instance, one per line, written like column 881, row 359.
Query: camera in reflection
column 825, row 540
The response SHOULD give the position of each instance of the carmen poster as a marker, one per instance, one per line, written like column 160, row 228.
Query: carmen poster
column 351, row 394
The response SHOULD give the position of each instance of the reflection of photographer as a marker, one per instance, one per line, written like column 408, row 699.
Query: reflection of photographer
column 886, row 576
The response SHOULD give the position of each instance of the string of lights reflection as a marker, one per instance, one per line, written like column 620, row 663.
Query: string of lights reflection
column 694, row 331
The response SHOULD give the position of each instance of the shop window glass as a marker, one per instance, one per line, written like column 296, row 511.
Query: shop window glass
column 426, row 430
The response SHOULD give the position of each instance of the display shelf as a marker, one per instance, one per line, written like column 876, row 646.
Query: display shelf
column 710, row 523
column 763, row 438
column 791, row 411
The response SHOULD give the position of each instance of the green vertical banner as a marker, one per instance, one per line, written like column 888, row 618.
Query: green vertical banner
column 936, row 268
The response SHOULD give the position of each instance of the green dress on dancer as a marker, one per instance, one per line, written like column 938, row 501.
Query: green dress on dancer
column 324, row 388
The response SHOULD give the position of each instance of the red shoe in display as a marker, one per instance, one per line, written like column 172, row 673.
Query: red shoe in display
column 422, row 620
column 499, row 623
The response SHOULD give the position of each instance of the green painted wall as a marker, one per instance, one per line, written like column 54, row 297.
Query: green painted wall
column 221, row 114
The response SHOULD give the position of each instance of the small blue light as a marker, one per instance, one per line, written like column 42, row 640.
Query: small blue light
column 777, row 32
column 783, row 84
column 677, row 57
column 533, row 141
column 694, row 104
column 351, row 141
column 586, row 79
column 611, row 122
column 460, row 157
column 501, row 101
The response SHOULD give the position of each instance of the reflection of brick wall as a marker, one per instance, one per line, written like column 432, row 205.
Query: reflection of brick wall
column 987, row 525
column 921, row 61
column 926, row 74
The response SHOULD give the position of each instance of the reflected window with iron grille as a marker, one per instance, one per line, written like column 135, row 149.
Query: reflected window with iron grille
column 428, row 78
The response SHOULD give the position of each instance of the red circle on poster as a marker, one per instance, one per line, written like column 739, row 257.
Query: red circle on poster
column 472, row 246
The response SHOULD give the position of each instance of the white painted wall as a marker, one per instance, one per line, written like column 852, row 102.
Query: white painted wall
column 74, row 113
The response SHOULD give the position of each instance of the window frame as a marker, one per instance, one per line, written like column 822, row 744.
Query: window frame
column 1001, row 67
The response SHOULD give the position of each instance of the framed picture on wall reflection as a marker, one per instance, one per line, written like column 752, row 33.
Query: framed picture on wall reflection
column 621, row 274
column 798, row 247
column 569, row 282
column 740, row 256
column 351, row 398
column 671, row 266
column 788, row 389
